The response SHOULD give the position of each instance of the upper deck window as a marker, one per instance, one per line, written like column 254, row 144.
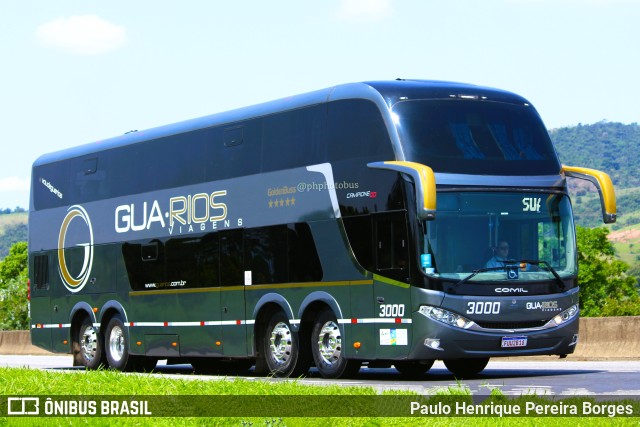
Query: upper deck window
column 476, row 137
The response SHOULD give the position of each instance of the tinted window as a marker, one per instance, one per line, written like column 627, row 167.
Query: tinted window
column 277, row 254
column 356, row 129
column 265, row 254
column 291, row 139
column 481, row 137
column 234, row 150
column 231, row 260
column 360, row 238
column 304, row 264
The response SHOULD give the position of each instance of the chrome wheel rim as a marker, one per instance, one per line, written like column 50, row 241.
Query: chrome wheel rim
column 330, row 343
column 116, row 343
column 280, row 343
column 89, row 343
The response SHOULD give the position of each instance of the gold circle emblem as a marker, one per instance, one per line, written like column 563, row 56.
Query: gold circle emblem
column 76, row 282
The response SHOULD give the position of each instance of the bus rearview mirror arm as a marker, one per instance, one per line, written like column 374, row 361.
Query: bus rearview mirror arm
column 424, row 183
column 603, row 183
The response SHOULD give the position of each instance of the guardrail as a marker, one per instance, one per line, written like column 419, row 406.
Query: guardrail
column 600, row 338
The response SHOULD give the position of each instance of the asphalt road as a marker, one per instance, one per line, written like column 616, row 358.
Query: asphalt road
column 513, row 377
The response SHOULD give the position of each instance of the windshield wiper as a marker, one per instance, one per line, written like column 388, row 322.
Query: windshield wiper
column 511, row 264
column 549, row 268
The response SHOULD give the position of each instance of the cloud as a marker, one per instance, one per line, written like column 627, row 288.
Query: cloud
column 82, row 35
column 14, row 183
column 364, row 10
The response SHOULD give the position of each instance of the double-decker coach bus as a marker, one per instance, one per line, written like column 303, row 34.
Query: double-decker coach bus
column 388, row 223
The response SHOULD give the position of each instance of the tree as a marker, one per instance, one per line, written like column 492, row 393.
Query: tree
column 13, row 289
column 605, row 287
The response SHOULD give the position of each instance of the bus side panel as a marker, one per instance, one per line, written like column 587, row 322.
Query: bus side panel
column 361, row 308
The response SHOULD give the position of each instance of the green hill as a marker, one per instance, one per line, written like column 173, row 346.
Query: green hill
column 13, row 228
column 613, row 148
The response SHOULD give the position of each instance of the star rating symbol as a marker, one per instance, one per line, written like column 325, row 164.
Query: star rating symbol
column 280, row 203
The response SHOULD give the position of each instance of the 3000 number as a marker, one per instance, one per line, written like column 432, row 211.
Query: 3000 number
column 481, row 307
column 392, row 310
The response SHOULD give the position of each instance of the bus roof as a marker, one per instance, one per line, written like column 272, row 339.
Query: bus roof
column 384, row 93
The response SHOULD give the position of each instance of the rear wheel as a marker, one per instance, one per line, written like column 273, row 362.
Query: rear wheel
column 327, row 348
column 88, row 346
column 413, row 367
column 462, row 368
column 282, row 349
column 117, row 345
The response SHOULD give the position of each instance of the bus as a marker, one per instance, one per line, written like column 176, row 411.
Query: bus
column 385, row 223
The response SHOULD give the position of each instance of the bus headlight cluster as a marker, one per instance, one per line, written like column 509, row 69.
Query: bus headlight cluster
column 445, row 316
column 566, row 315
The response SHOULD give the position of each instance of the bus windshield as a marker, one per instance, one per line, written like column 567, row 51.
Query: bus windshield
column 500, row 236
column 475, row 137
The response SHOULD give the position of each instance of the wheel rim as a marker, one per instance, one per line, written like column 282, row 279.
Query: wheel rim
column 116, row 343
column 89, row 343
column 330, row 343
column 280, row 343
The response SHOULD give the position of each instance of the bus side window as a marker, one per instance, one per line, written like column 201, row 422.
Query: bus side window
column 231, row 262
column 356, row 129
column 265, row 254
column 392, row 252
column 304, row 263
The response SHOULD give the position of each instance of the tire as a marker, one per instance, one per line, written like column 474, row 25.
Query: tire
column 88, row 346
column 413, row 368
column 117, row 345
column 463, row 368
column 282, row 348
column 327, row 348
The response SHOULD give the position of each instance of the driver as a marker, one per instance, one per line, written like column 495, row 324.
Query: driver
column 501, row 255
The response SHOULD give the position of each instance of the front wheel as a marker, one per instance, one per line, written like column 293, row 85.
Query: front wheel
column 327, row 348
column 462, row 368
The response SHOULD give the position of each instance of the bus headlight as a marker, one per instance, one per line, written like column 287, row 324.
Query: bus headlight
column 445, row 316
column 566, row 315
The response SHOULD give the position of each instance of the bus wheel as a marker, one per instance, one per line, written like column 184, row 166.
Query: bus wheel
column 281, row 348
column 466, row 367
column 88, row 346
column 327, row 346
column 117, row 345
column 413, row 367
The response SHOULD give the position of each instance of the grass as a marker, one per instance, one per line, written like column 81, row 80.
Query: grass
column 245, row 393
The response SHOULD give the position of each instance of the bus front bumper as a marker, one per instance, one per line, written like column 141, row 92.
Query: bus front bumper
column 442, row 341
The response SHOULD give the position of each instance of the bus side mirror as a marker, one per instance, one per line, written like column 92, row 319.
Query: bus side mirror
column 603, row 183
column 424, row 181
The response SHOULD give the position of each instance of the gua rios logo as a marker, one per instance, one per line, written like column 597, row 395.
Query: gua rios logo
column 75, row 233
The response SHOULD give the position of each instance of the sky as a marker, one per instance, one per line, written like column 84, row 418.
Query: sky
column 74, row 72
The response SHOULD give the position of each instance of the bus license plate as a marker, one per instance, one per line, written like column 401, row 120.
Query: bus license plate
column 508, row 342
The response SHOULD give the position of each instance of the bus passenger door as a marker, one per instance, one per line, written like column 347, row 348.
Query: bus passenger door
column 232, row 304
column 391, row 285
